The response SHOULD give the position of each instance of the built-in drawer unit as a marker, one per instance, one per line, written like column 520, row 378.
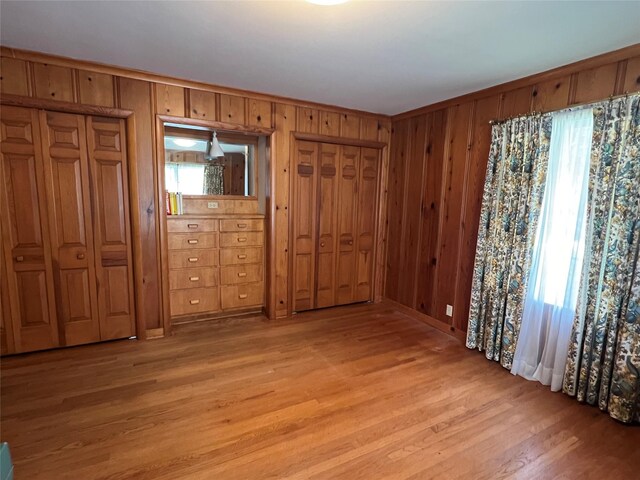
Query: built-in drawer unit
column 242, row 296
column 216, row 265
column 237, row 256
column 194, row 300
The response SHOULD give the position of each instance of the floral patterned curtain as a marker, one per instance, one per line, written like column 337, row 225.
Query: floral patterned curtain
column 603, row 365
column 511, row 202
column 214, row 179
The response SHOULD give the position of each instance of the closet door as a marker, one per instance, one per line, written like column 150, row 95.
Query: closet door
column 327, row 225
column 25, row 232
column 304, row 225
column 112, row 236
column 68, row 199
column 367, row 203
column 347, row 223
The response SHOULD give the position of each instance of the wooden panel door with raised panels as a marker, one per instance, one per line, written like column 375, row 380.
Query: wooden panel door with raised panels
column 327, row 216
column 304, row 237
column 347, row 223
column 25, row 232
column 113, row 257
column 66, row 167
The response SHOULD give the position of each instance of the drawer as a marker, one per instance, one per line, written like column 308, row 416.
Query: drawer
column 240, row 256
column 240, row 225
column 241, row 239
column 193, row 278
column 194, row 300
column 235, row 274
column 181, row 241
column 238, row 296
column 193, row 258
column 192, row 225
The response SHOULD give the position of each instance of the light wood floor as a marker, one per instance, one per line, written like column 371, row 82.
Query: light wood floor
column 362, row 392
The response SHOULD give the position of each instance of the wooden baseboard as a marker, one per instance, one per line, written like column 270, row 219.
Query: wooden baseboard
column 429, row 320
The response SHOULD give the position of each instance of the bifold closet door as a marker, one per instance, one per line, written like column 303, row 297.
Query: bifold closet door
column 66, row 167
column 111, row 226
column 25, row 232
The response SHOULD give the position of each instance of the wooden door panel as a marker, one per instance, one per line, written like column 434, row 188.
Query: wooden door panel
column 68, row 200
column 367, row 195
column 347, row 222
column 327, row 215
column 25, row 232
column 113, row 262
column 304, row 225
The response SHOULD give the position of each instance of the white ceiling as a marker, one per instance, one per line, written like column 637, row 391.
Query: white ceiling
column 385, row 57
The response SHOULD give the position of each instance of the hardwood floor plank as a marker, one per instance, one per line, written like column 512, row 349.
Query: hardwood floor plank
column 364, row 391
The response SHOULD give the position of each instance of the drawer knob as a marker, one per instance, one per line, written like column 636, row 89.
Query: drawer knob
column 322, row 244
column 242, row 239
column 194, row 279
column 242, row 256
column 242, row 225
column 192, row 241
column 19, row 258
column 242, row 296
column 192, row 225
column 350, row 242
column 193, row 259
column 194, row 302
column 80, row 256
column 242, row 274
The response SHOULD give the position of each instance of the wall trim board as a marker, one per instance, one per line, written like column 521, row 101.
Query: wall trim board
column 33, row 56
column 571, row 68
column 312, row 137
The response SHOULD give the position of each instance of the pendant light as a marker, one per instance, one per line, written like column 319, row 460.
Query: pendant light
column 215, row 151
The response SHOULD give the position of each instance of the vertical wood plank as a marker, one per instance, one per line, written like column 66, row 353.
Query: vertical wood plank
column 632, row 76
column 349, row 125
column 452, row 194
column 14, row 77
column 308, row 120
column 95, row 88
column 169, row 100
column 232, row 109
column 516, row 102
column 329, row 123
column 431, row 201
column 596, row 84
column 384, row 135
column 551, row 95
column 259, row 113
column 202, row 104
column 53, row 82
column 135, row 95
column 369, row 128
column 285, row 123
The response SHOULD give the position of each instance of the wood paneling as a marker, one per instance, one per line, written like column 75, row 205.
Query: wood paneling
column 330, row 123
column 308, row 120
column 258, row 113
column 349, row 126
column 369, row 128
column 14, row 77
column 232, row 109
column 169, row 100
column 53, row 83
column 95, row 88
column 452, row 181
column 202, row 104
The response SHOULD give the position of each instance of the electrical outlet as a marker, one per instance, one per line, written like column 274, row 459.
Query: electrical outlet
column 212, row 204
column 449, row 311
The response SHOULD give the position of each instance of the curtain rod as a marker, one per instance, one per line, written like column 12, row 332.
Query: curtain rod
column 577, row 106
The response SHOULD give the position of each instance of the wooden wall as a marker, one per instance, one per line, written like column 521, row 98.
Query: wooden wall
column 62, row 81
column 436, row 178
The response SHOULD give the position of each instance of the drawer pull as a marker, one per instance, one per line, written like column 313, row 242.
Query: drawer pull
column 192, row 225
column 242, row 274
column 242, row 256
column 19, row 258
column 242, row 225
column 242, row 296
column 194, row 279
column 192, row 241
column 193, row 259
column 194, row 302
column 242, row 239
column 80, row 256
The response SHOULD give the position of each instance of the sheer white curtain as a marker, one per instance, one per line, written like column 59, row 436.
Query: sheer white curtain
column 550, row 303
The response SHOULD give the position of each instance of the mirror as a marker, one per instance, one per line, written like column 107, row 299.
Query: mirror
column 193, row 167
